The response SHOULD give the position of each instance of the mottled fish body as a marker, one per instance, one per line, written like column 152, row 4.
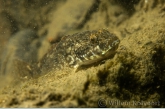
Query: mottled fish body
column 79, row 50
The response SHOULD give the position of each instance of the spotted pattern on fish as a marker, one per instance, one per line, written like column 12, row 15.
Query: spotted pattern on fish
column 80, row 49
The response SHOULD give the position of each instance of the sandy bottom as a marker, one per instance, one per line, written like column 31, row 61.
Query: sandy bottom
column 134, row 77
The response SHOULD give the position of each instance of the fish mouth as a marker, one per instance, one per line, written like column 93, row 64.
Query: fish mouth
column 96, row 60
